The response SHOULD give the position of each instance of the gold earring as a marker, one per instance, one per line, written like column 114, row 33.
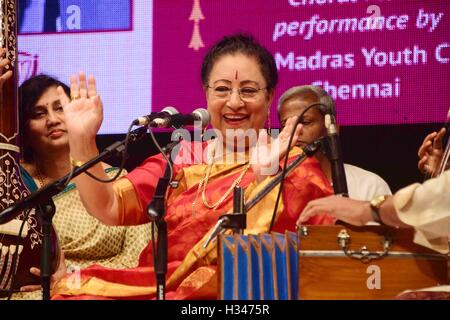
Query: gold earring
column 269, row 127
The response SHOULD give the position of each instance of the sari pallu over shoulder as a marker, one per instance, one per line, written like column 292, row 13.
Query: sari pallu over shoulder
column 192, row 268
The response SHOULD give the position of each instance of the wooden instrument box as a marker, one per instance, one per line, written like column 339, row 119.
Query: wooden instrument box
column 370, row 262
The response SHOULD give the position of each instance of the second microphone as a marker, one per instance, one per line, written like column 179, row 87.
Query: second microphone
column 169, row 117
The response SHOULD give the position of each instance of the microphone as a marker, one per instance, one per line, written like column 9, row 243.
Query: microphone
column 179, row 120
column 145, row 120
column 446, row 136
column 334, row 153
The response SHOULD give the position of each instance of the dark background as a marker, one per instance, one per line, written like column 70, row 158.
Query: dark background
column 390, row 151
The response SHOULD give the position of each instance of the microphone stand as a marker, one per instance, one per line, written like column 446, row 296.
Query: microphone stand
column 308, row 151
column 334, row 153
column 42, row 199
column 236, row 221
column 46, row 211
column 156, row 210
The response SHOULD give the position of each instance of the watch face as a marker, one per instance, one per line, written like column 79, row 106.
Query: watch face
column 375, row 205
column 378, row 201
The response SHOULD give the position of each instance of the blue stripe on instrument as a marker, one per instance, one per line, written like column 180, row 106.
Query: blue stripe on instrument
column 243, row 265
column 267, row 267
column 255, row 251
column 281, row 266
column 292, row 257
column 258, row 267
column 227, row 283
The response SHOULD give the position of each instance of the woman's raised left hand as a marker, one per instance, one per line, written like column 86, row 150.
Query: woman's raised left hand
column 268, row 152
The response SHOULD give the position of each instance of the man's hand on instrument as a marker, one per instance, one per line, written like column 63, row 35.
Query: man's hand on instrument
column 355, row 212
column 430, row 153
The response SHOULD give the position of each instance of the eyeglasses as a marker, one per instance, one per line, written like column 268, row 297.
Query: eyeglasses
column 247, row 93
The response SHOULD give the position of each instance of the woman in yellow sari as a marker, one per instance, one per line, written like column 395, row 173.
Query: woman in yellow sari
column 239, row 78
column 83, row 239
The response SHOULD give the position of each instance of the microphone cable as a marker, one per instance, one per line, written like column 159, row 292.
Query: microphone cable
column 121, row 167
column 284, row 171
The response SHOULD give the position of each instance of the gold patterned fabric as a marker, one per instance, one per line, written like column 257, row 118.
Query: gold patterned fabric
column 86, row 241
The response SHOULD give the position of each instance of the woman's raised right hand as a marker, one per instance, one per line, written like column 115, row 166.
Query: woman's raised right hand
column 430, row 153
column 83, row 112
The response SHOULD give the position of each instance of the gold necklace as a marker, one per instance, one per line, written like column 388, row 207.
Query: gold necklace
column 40, row 177
column 204, row 182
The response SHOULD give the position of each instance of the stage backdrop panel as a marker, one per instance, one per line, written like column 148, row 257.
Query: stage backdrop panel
column 121, row 59
column 384, row 62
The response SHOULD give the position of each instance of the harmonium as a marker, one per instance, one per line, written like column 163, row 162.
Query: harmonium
column 327, row 262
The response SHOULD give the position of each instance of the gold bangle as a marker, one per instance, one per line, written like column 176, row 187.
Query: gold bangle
column 76, row 163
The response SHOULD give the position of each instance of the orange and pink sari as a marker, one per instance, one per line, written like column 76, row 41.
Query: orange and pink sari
column 192, row 268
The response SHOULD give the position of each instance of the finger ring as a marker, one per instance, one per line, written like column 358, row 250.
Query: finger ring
column 75, row 97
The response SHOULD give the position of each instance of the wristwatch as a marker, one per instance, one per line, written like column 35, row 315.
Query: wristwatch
column 375, row 205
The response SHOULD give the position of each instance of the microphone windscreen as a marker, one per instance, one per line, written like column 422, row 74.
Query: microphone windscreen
column 201, row 114
column 170, row 110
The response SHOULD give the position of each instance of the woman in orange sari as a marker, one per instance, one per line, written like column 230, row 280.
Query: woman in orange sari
column 239, row 78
